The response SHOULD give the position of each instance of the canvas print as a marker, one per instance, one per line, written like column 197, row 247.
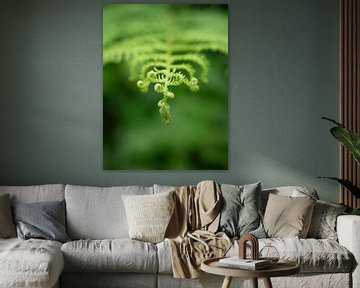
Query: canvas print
column 165, row 87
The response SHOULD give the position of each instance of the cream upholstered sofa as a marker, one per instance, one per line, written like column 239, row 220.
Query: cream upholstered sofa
column 102, row 255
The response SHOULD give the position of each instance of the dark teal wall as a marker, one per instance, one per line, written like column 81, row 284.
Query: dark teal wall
column 283, row 78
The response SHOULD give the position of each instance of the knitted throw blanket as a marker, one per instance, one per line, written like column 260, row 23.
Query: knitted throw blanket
column 191, row 232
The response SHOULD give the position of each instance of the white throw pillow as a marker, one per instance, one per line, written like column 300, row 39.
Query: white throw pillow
column 149, row 215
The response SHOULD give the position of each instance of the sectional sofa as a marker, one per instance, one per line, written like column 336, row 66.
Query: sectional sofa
column 100, row 253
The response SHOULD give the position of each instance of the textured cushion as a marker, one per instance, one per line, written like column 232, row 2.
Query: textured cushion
column 149, row 215
column 44, row 220
column 117, row 255
column 36, row 193
column 31, row 263
column 313, row 255
column 240, row 210
column 7, row 227
column 287, row 216
column 98, row 213
column 323, row 222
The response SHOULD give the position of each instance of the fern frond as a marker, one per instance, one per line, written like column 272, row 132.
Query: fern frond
column 163, row 45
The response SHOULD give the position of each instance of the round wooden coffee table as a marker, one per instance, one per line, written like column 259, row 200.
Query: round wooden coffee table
column 281, row 268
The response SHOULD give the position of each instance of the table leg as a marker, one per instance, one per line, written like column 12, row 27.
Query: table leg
column 267, row 283
column 227, row 282
column 254, row 282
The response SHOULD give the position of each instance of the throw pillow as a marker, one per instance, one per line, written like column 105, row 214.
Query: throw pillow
column 149, row 215
column 240, row 210
column 293, row 191
column 323, row 222
column 288, row 217
column 44, row 220
column 7, row 226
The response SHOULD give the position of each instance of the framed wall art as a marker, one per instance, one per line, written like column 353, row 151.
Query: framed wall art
column 165, row 86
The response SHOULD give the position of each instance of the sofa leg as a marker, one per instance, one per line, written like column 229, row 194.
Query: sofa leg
column 267, row 282
column 227, row 282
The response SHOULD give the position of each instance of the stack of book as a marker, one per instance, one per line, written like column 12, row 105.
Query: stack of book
column 248, row 264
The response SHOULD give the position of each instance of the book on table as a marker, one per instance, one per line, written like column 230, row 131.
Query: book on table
column 249, row 264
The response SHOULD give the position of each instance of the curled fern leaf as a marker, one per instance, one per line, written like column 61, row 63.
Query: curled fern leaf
column 164, row 45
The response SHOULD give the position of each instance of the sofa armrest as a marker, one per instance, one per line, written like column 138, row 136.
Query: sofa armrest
column 348, row 230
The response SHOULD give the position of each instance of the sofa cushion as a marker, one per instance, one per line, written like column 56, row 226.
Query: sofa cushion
column 163, row 188
column 98, row 213
column 164, row 257
column 30, row 263
column 43, row 220
column 7, row 226
column 313, row 255
column 36, row 193
column 287, row 216
column 323, row 222
column 116, row 255
column 149, row 215
column 291, row 191
column 240, row 210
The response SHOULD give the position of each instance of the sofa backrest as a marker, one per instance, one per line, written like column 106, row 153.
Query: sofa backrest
column 36, row 193
column 163, row 188
column 98, row 212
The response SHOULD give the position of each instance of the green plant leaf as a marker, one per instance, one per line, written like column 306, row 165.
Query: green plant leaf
column 164, row 45
column 355, row 211
column 348, row 138
column 347, row 184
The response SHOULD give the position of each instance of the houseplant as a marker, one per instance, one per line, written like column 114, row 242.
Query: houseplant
column 351, row 142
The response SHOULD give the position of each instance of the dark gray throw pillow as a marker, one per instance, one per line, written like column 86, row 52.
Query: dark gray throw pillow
column 7, row 226
column 44, row 220
column 240, row 213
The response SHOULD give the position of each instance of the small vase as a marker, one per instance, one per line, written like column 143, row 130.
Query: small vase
column 270, row 253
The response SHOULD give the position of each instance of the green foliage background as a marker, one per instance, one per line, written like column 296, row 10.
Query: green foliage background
column 135, row 136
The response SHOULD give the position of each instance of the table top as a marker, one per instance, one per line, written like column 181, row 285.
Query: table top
column 281, row 268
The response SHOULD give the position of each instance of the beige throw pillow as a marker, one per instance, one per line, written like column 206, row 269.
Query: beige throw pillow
column 7, row 226
column 288, row 217
column 149, row 215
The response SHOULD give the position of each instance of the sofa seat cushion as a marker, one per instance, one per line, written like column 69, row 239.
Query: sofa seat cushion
column 110, row 255
column 30, row 263
column 313, row 255
column 164, row 257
